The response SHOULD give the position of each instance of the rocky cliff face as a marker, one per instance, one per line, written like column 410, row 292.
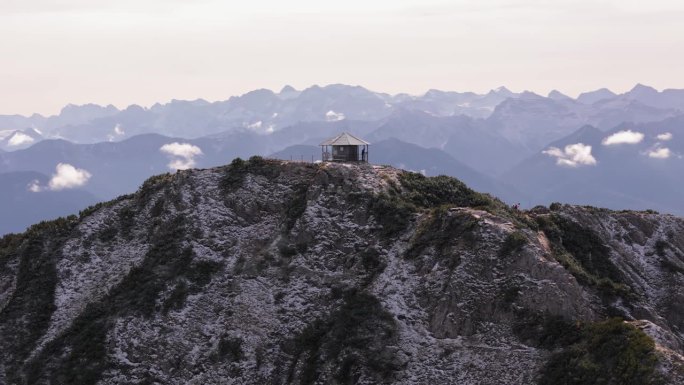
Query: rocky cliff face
column 265, row 272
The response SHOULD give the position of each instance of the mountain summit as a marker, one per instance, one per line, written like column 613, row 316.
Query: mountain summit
column 273, row 272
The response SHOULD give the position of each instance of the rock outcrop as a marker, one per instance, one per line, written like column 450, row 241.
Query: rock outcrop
column 268, row 272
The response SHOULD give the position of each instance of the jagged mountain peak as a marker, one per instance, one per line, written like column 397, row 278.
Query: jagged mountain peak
column 287, row 89
column 643, row 88
column 268, row 271
column 595, row 96
column 557, row 95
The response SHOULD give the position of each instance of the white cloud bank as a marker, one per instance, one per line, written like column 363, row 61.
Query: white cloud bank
column 65, row 177
column 660, row 153
column 332, row 116
column 623, row 137
column 183, row 155
column 573, row 155
column 68, row 176
column 665, row 136
column 19, row 139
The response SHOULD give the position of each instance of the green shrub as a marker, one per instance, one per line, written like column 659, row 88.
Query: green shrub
column 176, row 299
column 237, row 163
column 392, row 213
column 158, row 208
column 296, row 206
column 230, row 349
column 611, row 352
column 513, row 243
column 108, row 234
column 440, row 190
column 443, row 231
column 555, row 206
column 584, row 254
column 355, row 336
column 545, row 331
column 660, row 247
column 126, row 220
column 238, row 169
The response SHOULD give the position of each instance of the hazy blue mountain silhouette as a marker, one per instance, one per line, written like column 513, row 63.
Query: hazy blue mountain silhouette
column 430, row 161
column 20, row 207
column 625, row 176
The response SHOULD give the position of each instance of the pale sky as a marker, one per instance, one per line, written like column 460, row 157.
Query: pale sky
column 122, row 52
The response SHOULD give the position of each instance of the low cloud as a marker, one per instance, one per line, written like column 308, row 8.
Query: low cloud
column 19, row 139
column 118, row 131
column 660, row 153
column 573, row 155
column 332, row 116
column 182, row 154
column 34, row 186
column 65, row 177
column 256, row 125
column 665, row 136
column 623, row 137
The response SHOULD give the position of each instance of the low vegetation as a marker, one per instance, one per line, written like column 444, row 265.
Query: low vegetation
column 238, row 169
column 168, row 267
column 584, row 254
column 444, row 231
column 353, row 338
column 513, row 243
column 611, row 352
column 28, row 311
column 396, row 208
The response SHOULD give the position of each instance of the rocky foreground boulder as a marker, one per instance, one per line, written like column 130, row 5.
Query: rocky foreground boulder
column 270, row 272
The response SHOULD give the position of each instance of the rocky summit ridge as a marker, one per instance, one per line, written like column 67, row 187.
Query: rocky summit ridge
column 273, row 272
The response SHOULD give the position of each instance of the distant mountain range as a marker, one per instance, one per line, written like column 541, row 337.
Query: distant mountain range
column 522, row 147
column 630, row 166
column 265, row 111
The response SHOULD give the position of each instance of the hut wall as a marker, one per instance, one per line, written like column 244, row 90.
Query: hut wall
column 345, row 153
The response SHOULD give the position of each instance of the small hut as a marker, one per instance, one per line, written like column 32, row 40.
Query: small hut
column 345, row 148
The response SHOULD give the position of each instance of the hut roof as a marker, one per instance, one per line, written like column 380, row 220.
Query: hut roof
column 344, row 139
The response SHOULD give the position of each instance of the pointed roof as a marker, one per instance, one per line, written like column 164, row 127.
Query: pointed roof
column 344, row 139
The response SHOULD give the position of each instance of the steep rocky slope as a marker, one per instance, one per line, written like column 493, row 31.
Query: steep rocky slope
column 269, row 272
